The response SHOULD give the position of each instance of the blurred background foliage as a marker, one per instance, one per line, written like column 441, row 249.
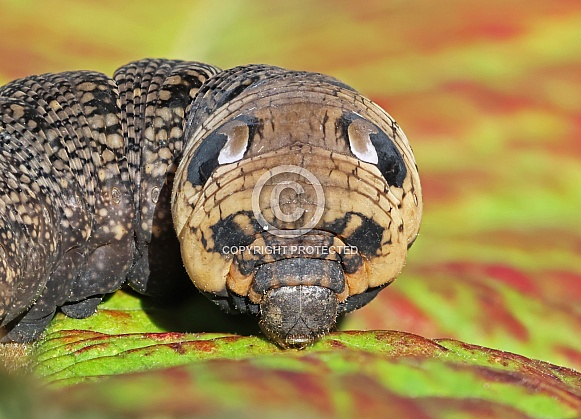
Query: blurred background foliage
column 489, row 94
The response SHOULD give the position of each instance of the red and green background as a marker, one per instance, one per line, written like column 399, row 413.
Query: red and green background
column 489, row 94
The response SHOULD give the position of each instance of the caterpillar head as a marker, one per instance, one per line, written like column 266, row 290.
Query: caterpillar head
column 296, row 199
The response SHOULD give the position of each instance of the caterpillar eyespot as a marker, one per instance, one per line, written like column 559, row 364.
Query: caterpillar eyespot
column 288, row 194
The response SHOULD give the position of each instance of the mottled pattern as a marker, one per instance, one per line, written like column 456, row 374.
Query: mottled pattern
column 156, row 96
column 86, row 160
column 115, row 145
column 255, row 131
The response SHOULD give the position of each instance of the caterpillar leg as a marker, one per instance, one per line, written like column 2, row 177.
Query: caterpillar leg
column 105, row 270
column 82, row 309
column 29, row 327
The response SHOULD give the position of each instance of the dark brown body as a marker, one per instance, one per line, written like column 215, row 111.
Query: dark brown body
column 90, row 165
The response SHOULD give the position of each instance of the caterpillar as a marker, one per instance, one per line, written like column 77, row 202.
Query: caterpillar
column 285, row 194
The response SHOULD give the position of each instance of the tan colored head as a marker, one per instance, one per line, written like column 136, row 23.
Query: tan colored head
column 296, row 199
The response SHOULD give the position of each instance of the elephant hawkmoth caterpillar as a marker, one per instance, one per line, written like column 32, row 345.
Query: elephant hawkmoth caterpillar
column 292, row 196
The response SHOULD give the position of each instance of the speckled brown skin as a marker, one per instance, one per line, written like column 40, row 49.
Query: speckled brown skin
column 87, row 161
column 88, row 196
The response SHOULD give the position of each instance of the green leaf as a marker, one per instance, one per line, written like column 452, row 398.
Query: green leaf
column 345, row 374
